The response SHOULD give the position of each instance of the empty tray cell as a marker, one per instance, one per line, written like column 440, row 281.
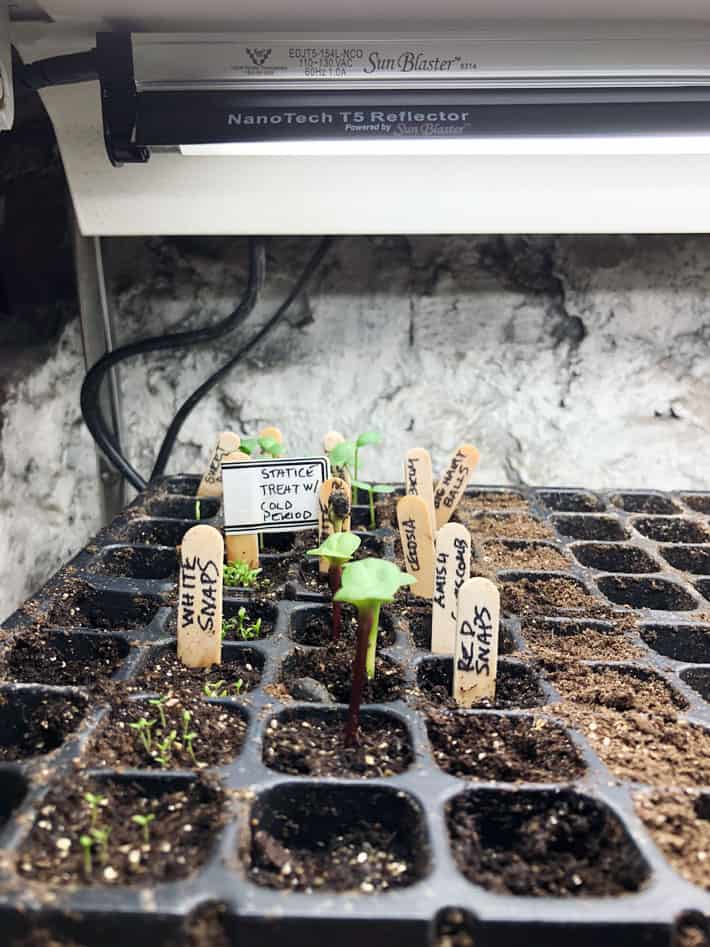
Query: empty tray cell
column 699, row 679
column 680, row 825
column 563, row 640
column 134, row 562
column 184, row 508
column 182, row 817
column 288, row 542
column 542, row 594
column 543, row 844
column 170, row 732
column 312, row 838
column 587, row 526
column 240, row 663
column 703, row 586
column 658, row 594
column 614, row 557
column 693, row 559
column 671, row 529
column 156, row 532
column 518, row 554
column 617, row 688
column 183, row 485
column 324, row 675
column 34, row 721
column 517, row 687
column 494, row 748
column 689, row 643
column 505, row 525
column 571, row 501
column 85, row 607
column 314, row 626
column 700, row 502
column 13, row 789
column 645, row 503
column 59, row 657
column 474, row 500
column 310, row 742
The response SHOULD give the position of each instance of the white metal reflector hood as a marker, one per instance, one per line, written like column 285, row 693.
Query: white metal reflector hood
column 654, row 182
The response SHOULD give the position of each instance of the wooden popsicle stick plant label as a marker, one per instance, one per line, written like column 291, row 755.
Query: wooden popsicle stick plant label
column 452, row 568
column 417, row 543
column 331, row 439
column 211, row 483
column 450, row 488
column 333, row 511
column 272, row 432
column 199, row 628
column 476, row 653
column 419, row 479
column 244, row 547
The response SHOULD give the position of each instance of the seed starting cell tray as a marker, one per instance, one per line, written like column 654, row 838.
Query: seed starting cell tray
column 575, row 809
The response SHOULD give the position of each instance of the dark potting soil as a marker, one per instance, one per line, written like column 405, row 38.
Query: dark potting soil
column 517, row 686
column 491, row 500
column 680, row 825
column 507, row 526
column 315, row 747
column 618, row 689
column 34, row 727
column 166, row 672
column 509, row 749
column 332, row 666
column 79, row 606
column 536, row 557
column 186, row 820
column 572, row 641
column 559, row 845
column 317, row 630
column 365, row 858
column 218, row 729
column 544, row 596
column 62, row 658
column 270, row 581
column 253, row 612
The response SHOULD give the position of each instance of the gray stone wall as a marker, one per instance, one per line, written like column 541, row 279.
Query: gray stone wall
column 575, row 360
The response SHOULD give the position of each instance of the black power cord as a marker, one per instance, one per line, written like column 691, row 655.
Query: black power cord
column 171, row 434
column 90, row 404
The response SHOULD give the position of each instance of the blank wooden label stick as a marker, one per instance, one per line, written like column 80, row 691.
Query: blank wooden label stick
column 245, row 546
column 272, row 432
column 331, row 440
column 419, row 479
column 452, row 568
column 476, row 654
column 450, row 488
column 325, row 527
column 417, row 543
column 211, row 483
column 199, row 628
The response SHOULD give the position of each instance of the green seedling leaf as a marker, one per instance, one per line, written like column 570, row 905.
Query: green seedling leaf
column 338, row 546
column 249, row 445
column 361, row 485
column 369, row 437
column 343, row 454
column 371, row 581
column 271, row 446
column 382, row 488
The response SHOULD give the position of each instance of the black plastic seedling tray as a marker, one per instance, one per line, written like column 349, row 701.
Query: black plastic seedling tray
column 643, row 557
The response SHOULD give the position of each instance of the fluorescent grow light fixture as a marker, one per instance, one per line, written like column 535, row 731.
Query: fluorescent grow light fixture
column 508, row 90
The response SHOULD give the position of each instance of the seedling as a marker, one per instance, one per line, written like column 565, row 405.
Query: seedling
column 100, row 837
column 242, row 625
column 338, row 549
column 198, row 510
column 144, row 729
column 267, row 445
column 220, row 689
column 371, row 489
column 143, row 821
column 347, row 454
column 164, row 749
column 160, row 702
column 87, row 843
column 366, row 584
column 94, row 802
column 188, row 735
column 240, row 574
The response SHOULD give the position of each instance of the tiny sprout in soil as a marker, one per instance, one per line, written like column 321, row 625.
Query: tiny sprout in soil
column 143, row 821
column 242, row 626
column 144, row 729
column 347, row 455
column 338, row 549
column 198, row 510
column 221, row 689
column 366, row 585
column 371, row 489
column 240, row 574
